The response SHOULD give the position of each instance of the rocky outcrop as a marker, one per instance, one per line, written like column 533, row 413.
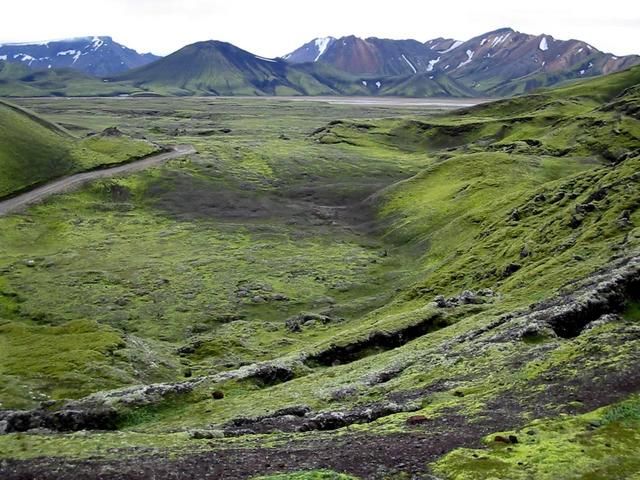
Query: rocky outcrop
column 377, row 341
column 300, row 419
column 598, row 298
column 61, row 421
column 468, row 297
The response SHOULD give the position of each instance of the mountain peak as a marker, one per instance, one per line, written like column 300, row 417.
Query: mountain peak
column 311, row 51
column 502, row 30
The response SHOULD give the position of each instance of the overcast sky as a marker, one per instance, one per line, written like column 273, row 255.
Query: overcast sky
column 273, row 28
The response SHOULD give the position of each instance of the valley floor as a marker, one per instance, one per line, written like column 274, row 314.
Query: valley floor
column 349, row 290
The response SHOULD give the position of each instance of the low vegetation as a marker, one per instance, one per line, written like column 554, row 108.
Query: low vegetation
column 376, row 291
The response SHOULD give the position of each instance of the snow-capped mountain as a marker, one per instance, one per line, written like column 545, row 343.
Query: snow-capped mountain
column 369, row 56
column 505, row 61
column 501, row 62
column 99, row 56
column 310, row 52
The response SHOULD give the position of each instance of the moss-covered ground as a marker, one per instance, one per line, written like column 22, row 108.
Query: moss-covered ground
column 304, row 234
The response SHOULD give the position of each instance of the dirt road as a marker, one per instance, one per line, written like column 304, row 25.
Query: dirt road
column 74, row 181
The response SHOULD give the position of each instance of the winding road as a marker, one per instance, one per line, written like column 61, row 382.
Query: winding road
column 74, row 181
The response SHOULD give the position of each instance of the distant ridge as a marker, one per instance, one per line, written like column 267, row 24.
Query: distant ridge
column 499, row 63
column 97, row 56
column 220, row 68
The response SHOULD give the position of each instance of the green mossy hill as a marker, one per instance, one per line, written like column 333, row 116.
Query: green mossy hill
column 219, row 68
column 34, row 150
column 20, row 81
column 72, row 351
column 30, row 152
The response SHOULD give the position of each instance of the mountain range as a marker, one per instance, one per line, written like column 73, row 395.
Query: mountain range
column 98, row 56
column 220, row 68
column 503, row 62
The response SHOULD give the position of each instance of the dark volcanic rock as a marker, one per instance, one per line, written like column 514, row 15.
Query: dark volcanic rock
column 61, row 421
column 300, row 419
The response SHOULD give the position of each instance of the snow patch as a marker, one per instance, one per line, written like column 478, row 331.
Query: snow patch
column 25, row 57
column 66, row 52
column 498, row 40
column 364, row 82
column 580, row 50
column 431, row 64
column 484, row 40
column 469, row 58
column 3, row 57
column 581, row 72
column 321, row 45
column 96, row 43
column 378, row 84
column 455, row 45
column 76, row 56
column 613, row 57
column 544, row 46
column 265, row 59
column 409, row 63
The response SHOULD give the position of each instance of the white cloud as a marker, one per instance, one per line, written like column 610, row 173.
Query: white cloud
column 278, row 26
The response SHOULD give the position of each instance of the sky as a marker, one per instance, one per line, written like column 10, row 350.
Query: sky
column 274, row 28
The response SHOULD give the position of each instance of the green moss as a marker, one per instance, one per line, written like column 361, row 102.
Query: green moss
column 600, row 444
column 25, row 142
column 633, row 312
column 56, row 361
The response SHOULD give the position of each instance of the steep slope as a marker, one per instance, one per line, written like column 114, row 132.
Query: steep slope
column 219, row 68
column 310, row 52
column 506, row 62
column 373, row 56
column 98, row 56
column 33, row 150
column 421, row 85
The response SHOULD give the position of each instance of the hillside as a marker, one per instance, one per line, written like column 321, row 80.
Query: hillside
column 17, row 80
column 34, row 150
column 506, row 62
column 97, row 56
column 383, row 293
